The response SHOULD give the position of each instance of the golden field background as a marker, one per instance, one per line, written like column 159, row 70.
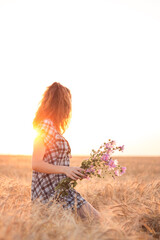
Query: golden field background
column 130, row 205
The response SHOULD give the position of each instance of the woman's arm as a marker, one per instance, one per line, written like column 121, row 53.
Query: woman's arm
column 37, row 157
column 40, row 166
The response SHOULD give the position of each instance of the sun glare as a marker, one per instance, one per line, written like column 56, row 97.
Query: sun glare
column 35, row 134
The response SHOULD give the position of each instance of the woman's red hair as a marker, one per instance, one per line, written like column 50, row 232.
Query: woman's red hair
column 55, row 105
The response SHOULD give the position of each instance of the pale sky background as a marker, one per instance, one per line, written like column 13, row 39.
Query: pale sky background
column 106, row 52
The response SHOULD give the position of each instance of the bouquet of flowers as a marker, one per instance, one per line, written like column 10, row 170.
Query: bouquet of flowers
column 99, row 162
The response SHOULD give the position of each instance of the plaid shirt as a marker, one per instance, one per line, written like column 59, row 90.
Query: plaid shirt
column 57, row 152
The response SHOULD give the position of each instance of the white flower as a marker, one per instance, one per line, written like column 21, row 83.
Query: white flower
column 116, row 162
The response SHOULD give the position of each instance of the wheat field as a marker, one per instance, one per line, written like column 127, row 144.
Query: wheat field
column 130, row 205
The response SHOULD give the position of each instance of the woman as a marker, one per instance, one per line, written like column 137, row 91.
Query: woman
column 51, row 151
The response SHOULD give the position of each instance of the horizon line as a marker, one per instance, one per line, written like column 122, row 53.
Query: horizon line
column 81, row 155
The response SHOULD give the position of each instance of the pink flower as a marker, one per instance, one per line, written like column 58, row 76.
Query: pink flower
column 112, row 164
column 108, row 145
column 99, row 171
column 117, row 173
column 106, row 163
column 109, row 151
column 91, row 169
column 113, row 143
column 105, row 157
column 123, row 170
column 121, row 148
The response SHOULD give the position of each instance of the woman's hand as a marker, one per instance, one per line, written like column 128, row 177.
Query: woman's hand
column 74, row 172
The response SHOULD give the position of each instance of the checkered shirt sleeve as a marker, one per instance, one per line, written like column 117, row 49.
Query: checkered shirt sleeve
column 47, row 131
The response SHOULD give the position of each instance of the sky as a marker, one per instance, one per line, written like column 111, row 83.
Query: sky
column 107, row 52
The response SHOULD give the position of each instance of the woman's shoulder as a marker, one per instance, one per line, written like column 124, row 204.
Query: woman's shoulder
column 47, row 131
column 52, row 135
column 48, row 123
